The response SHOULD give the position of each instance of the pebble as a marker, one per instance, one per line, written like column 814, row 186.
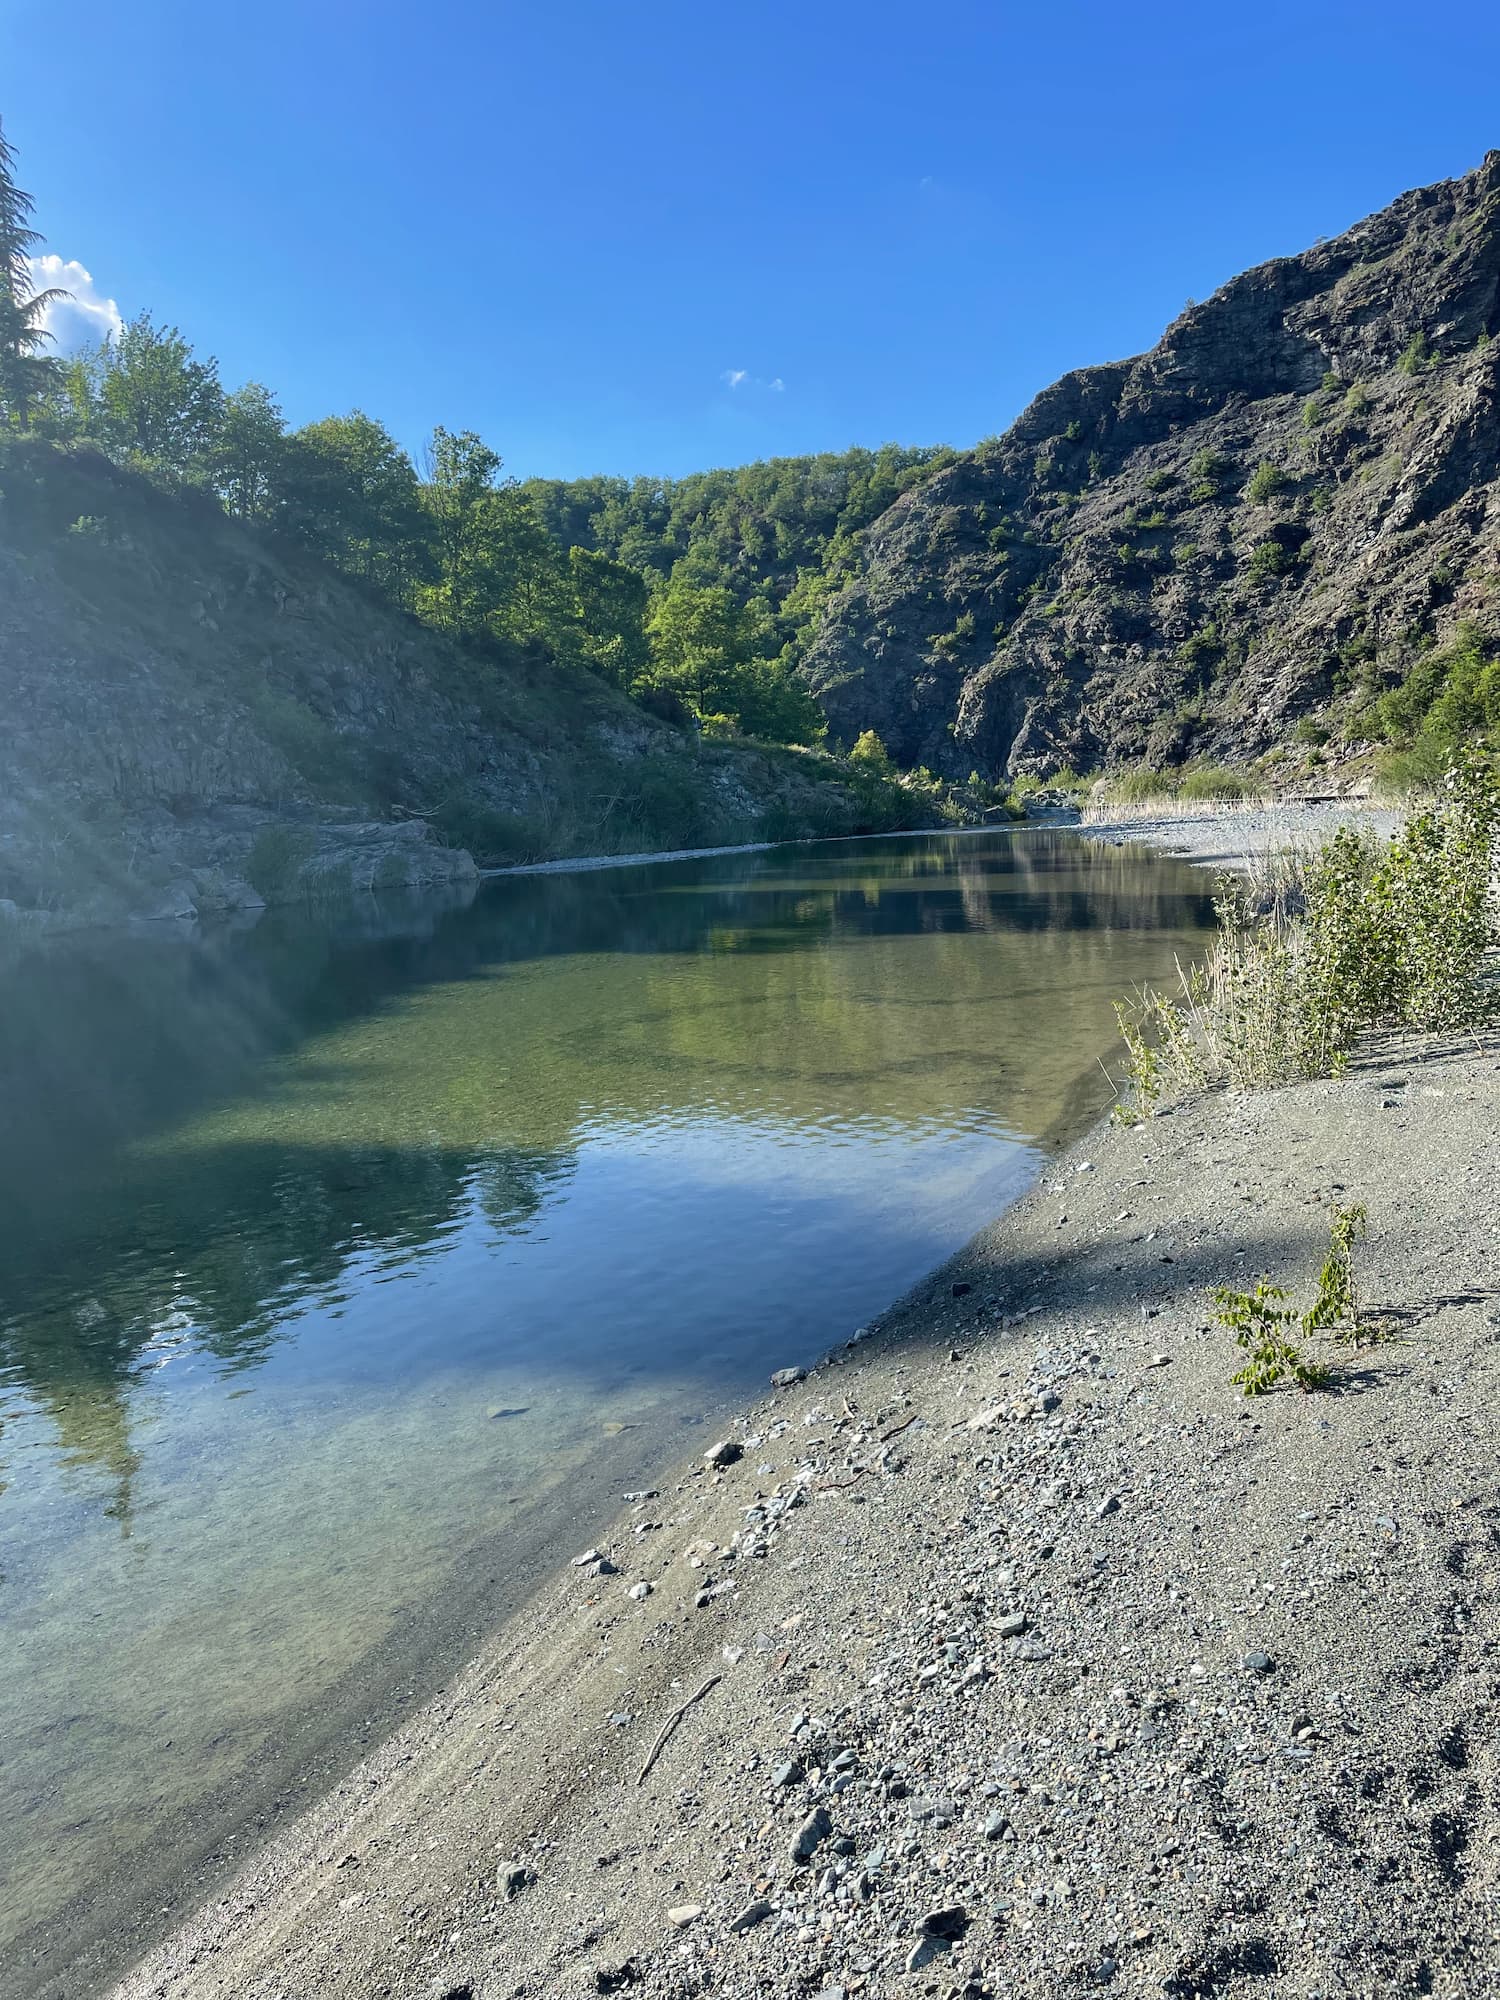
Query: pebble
column 788, row 1378
column 640, row 1591
column 683, row 1914
column 950, row 1922
column 752, row 1914
column 725, row 1452
column 1257, row 1663
column 813, row 1831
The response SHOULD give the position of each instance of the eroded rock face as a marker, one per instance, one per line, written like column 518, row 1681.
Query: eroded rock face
column 1105, row 581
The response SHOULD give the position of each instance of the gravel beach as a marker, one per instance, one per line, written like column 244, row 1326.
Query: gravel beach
column 1229, row 838
column 1012, row 1651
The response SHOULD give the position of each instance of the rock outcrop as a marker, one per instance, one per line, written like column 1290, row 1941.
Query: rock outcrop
column 1186, row 553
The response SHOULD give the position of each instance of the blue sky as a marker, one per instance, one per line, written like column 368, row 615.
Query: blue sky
column 568, row 227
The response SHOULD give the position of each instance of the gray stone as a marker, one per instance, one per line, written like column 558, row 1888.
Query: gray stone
column 788, row 1378
column 813, row 1831
column 725, row 1452
column 950, row 1921
column 752, row 1914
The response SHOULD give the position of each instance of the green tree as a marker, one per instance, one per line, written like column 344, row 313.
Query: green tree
column 156, row 402
column 25, row 372
column 533, row 595
column 249, row 452
column 459, row 495
column 700, row 640
column 610, row 602
column 347, row 489
column 769, row 700
column 868, row 749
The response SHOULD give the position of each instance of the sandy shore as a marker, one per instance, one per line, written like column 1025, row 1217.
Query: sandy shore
column 1028, row 1657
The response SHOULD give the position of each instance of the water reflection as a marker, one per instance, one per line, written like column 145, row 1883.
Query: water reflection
column 292, row 1210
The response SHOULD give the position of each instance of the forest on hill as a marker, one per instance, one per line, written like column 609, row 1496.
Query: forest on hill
column 695, row 596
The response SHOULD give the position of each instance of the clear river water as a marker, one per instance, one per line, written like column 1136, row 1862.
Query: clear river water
column 353, row 1262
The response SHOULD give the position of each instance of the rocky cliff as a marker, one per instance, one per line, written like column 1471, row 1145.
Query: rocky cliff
column 200, row 717
column 1265, row 517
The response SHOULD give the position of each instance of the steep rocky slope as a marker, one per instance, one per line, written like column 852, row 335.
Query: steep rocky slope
column 200, row 717
column 1117, row 577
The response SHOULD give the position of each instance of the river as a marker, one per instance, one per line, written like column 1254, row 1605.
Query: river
column 354, row 1262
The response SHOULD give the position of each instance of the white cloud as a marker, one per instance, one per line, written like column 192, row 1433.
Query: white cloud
column 82, row 319
column 741, row 378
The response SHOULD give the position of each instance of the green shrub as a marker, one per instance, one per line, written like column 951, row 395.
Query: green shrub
column 1214, row 781
column 1268, row 560
column 1144, row 783
column 1417, row 355
column 1336, row 1311
column 276, row 860
column 1356, row 936
column 1202, row 648
column 1451, row 696
column 1265, row 482
column 495, row 839
column 1312, row 732
column 871, row 752
column 1261, row 1323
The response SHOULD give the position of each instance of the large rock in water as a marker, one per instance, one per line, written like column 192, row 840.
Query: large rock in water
column 1111, row 578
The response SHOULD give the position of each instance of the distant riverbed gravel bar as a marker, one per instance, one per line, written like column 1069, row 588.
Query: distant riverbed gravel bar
column 1011, row 1651
column 1228, row 837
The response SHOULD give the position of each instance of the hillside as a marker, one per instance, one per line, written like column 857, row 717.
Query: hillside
column 203, row 716
column 1268, row 520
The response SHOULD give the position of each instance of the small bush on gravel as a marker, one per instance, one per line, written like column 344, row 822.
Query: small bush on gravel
column 1335, row 1310
column 1261, row 1323
column 1356, row 936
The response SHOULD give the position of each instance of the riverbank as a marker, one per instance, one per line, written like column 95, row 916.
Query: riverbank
column 1027, row 1654
column 1232, row 837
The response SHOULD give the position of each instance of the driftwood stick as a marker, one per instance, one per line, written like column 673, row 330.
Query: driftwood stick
column 886, row 1436
column 671, row 1723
